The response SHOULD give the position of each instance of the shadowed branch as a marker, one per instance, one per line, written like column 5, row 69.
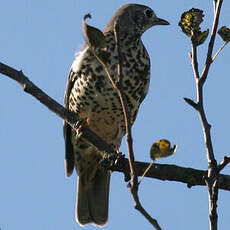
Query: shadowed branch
column 158, row 171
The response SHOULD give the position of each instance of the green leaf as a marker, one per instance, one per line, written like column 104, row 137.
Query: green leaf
column 202, row 36
column 224, row 33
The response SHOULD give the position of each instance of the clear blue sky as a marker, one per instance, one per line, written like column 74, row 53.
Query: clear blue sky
column 40, row 37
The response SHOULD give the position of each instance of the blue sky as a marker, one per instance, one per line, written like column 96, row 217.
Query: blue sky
column 40, row 37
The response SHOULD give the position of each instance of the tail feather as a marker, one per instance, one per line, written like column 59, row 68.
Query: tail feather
column 93, row 200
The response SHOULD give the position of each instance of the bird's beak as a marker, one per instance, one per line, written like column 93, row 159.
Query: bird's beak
column 160, row 21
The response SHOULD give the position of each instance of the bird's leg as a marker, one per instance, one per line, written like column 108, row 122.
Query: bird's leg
column 80, row 124
column 119, row 163
column 116, row 148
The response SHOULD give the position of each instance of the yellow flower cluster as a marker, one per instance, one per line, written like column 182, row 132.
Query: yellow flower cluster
column 190, row 25
column 191, row 20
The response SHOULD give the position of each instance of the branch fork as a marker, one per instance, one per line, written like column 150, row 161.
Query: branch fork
column 212, row 178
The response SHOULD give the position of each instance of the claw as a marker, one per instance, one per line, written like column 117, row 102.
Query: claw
column 81, row 123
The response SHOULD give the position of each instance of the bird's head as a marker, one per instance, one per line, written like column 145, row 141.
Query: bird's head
column 134, row 19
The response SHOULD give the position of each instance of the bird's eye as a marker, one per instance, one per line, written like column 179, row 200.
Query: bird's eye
column 149, row 13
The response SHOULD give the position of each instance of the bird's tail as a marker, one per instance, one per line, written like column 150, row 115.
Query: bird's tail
column 93, row 198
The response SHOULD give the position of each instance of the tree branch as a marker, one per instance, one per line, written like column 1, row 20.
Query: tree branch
column 54, row 106
column 218, row 51
column 223, row 163
column 213, row 175
column 191, row 102
column 212, row 178
column 208, row 62
column 133, row 186
column 189, row 176
column 194, row 58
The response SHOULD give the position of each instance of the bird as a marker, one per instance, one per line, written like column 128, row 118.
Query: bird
column 90, row 94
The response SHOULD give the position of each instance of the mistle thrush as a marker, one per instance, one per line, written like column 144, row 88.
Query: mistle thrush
column 90, row 94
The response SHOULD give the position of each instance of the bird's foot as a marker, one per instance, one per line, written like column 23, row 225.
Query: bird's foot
column 116, row 148
column 82, row 122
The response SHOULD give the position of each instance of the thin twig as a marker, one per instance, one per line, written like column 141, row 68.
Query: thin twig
column 214, row 6
column 208, row 61
column 191, row 102
column 118, row 86
column 194, row 59
column 213, row 176
column 133, row 186
column 125, row 109
column 223, row 163
column 218, row 51
column 146, row 171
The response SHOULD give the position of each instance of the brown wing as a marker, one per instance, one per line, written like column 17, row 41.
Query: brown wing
column 69, row 153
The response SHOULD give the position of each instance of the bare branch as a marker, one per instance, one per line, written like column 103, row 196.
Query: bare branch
column 212, row 178
column 208, row 62
column 189, row 176
column 223, row 163
column 194, row 59
column 213, row 197
column 214, row 6
column 191, row 102
column 218, row 51
column 55, row 107
column 133, row 186
column 125, row 110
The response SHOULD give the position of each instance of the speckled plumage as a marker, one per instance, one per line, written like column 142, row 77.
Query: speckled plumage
column 90, row 94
